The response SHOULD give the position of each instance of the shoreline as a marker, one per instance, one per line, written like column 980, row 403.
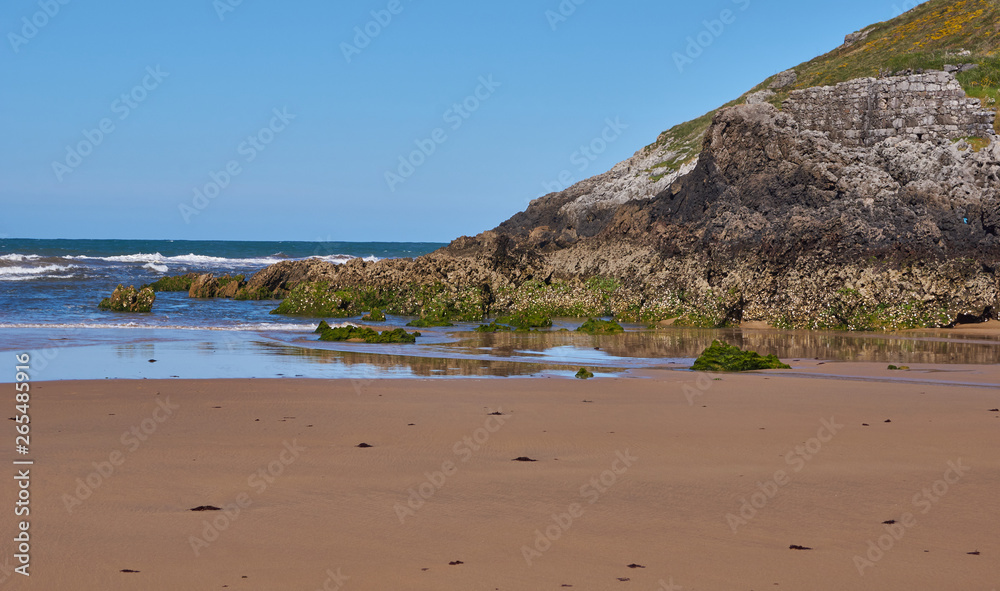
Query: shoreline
column 694, row 450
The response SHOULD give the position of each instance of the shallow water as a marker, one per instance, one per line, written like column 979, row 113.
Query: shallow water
column 113, row 353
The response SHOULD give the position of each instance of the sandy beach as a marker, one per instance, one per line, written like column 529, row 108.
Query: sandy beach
column 700, row 482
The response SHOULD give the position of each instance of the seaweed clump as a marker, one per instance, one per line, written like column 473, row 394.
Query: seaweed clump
column 592, row 326
column 584, row 374
column 493, row 327
column 430, row 322
column 526, row 320
column 367, row 335
column 374, row 316
column 723, row 357
column 175, row 283
column 129, row 299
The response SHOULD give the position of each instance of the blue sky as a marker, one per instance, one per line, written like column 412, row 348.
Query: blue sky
column 254, row 119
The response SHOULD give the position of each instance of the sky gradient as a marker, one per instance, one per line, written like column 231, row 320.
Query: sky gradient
column 404, row 120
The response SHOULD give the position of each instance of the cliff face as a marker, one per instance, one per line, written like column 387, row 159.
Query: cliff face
column 775, row 223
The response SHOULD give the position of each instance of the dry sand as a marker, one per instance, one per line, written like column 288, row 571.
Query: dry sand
column 693, row 451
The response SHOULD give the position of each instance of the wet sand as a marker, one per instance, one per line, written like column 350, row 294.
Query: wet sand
column 651, row 470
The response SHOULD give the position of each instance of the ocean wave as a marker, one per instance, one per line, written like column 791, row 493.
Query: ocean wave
column 156, row 267
column 25, row 273
column 19, row 258
column 209, row 261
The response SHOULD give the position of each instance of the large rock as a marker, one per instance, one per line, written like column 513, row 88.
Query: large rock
column 129, row 299
column 209, row 286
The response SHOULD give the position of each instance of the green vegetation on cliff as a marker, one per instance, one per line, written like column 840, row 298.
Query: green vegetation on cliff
column 723, row 357
column 928, row 37
column 374, row 316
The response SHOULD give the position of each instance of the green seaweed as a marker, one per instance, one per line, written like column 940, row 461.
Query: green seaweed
column 526, row 320
column 374, row 316
column 174, row 283
column 493, row 327
column 592, row 326
column 130, row 300
column 355, row 333
column 429, row 322
column 584, row 374
column 723, row 357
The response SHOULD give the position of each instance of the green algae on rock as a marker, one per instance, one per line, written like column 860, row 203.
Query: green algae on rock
column 355, row 333
column 592, row 326
column 723, row 357
column 174, row 283
column 374, row 316
column 429, row 322
column 526, row 320
column 493, row 327
column 129, row 299
column 584, row 374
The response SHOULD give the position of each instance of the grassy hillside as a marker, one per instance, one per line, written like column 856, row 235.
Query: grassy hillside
column 927, row 37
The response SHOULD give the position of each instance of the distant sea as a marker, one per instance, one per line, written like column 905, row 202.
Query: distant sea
column 58, row 283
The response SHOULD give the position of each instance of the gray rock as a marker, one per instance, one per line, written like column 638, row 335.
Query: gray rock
column 784, row 79
column 756, row 98
column 856, row 36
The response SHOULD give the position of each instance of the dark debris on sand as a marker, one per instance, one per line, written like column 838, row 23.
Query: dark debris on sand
column 523, row 459
column 797, row 547
column 206, row 508
column 364, row 445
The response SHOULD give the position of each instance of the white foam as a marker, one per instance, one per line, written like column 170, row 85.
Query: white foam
column 19, row 258
column 156, row 267
column 24, row 273
column 204, row 260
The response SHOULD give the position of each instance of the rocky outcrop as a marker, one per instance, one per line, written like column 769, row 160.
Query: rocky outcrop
column 776, row 221
column 869, row 110
column 561, row 218
column 857, row 36
column 210, row 286
column 783, row 80
column 129, row 299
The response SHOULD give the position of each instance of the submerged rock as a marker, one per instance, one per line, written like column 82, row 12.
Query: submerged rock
column 593, row 326
column 493, row 327
column 429, row 322
column 129, row 299
column 367, row 335
column 526, row 320
column 723, row 357
column 584, row 374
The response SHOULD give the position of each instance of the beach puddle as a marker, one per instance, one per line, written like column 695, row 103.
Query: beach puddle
column 158, row 353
